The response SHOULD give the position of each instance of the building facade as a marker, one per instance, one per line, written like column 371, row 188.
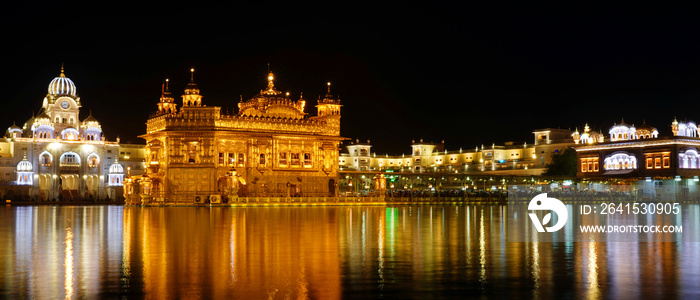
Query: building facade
column 431, row 166
column 271, row 147
column 639, row 152
column 508, row 159
column 57, row 156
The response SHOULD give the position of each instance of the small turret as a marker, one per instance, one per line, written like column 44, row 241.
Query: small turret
column 167, row 102
column 674, row 126
column 329, row 105
column 192, row 96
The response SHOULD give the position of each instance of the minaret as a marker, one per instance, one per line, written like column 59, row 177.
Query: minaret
column 167, row 102
column 192, row 96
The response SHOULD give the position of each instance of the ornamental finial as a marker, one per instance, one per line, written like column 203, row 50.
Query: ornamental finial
column 270, row 82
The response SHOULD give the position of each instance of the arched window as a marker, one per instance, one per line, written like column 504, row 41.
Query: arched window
column 45, row 159
column 70, row 159
column 93, row 161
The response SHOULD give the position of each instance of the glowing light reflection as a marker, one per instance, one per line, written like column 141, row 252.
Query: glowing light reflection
column 68, row 264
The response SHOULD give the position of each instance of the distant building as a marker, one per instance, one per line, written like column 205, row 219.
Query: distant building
column 430, row 165
column 639, row 152
column 509, row 159
column 55, row 155
column 271, row 147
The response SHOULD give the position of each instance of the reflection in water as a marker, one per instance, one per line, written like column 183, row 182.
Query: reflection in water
column 592, row 288
column 319, row 253
column 233, row 253
column 69, row 264
column 51, row 252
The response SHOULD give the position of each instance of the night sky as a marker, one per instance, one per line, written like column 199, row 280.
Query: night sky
column 465, row 74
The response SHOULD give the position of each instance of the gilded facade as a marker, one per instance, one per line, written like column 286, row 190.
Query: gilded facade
column 271, row 147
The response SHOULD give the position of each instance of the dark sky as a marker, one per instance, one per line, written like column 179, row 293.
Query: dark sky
column 466, row 74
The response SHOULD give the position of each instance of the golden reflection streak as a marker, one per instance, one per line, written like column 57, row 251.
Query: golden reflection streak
column 593, row 289
column 482, row 249
column 126, row 245
column 536, row 265
column 380, row 254
column 68, row 264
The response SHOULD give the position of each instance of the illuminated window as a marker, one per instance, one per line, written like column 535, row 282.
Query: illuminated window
column 689, row 159
column 307, row 159
column 45, row 160
column 589, row 164
column 69, row 159
column 191, row 152
column 667, row 162
column 283, row 158
column 231, row 159
column 294, row 157
column 650, row 163
column 241, row 159
column 657, row 163
column 93, row 162
column 620, row 160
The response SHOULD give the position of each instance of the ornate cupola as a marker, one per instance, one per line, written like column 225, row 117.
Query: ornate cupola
column 25, row 172
column 192, row 96
column 167, row 102
column 116, row 174
column 14, row 131
column 62, row 86
column 272, row 103
column 43, row 127
column 91, row 128
column 329, row 105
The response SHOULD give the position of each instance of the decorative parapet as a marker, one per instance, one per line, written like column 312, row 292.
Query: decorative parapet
column 178, row 121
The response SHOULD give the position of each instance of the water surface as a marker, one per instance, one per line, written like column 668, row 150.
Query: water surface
column 419, row 252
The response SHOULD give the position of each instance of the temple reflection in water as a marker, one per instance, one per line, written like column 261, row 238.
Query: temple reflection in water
column 319, row 253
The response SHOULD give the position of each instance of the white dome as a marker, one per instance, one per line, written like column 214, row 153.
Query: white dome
column 61, row 86
column 116, row 168
column 24, row 166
